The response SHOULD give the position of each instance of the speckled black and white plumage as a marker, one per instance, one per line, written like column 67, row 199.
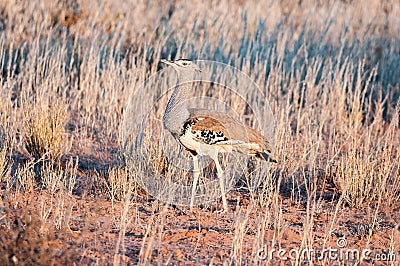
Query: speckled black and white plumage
column 224, row 133
column 209, row 137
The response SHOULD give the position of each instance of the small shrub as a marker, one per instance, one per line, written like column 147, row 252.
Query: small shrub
column 45, row 136
column 22, row 241
column 121, row 183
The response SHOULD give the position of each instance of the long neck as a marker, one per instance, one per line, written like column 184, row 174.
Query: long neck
column 179, row 97
column 176, row 113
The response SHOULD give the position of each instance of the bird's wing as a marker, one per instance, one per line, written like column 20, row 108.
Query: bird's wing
column 217, row 128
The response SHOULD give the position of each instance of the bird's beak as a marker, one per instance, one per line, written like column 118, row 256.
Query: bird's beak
column 167, row 62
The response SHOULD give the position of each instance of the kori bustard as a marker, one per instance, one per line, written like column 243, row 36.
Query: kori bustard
column 207, row 132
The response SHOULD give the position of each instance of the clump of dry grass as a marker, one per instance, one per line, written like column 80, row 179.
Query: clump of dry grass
column 45, row 136
column 121, row 183
column 368, row 170
column 364, row 177
column 52, row 178
column 26, row 178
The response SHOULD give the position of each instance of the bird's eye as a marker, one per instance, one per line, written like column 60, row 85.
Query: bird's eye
column 184, row 64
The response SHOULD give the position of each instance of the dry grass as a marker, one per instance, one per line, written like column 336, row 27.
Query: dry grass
column 27, row 240
column 330, row 70
column 44, row 129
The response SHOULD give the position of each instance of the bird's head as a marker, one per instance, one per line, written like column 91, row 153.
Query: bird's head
column 186, row 69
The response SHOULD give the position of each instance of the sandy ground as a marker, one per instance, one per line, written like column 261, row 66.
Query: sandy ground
column 92, row 231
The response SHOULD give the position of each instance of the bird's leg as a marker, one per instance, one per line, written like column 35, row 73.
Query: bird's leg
column 196, row 174
column 220, row 173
